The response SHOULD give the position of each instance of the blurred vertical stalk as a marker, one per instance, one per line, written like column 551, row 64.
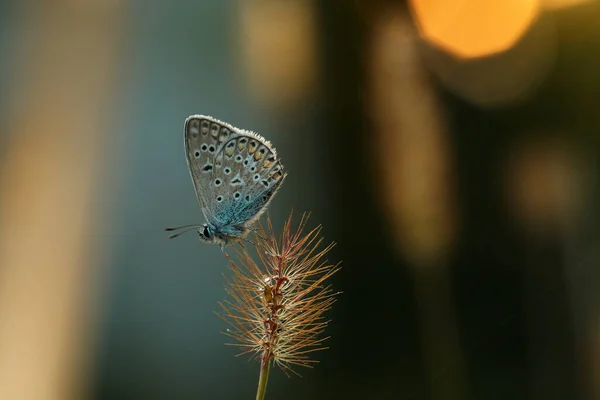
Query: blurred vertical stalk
column 281, row 69
column 545, row 185
column 594, row 339
column 416, row 188
column 49, row 185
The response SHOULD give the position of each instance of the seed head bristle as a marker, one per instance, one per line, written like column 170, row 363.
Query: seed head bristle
column 277, row 305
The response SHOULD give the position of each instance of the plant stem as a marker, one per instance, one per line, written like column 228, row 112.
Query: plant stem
column 263, row 379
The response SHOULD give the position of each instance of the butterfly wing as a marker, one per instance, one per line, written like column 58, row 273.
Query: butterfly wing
column 247, row 174
column 204, row 138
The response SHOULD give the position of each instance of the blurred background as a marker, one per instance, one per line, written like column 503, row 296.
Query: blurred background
column 449, row 147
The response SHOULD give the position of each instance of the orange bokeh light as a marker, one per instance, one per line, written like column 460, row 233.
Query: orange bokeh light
column 558, row 4
column 474, row 28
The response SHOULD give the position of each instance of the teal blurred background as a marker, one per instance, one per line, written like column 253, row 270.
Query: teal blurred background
column 449, row 149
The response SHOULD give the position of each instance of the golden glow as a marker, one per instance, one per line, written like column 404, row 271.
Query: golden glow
column 474, row 28
column 278, row 46
column 557, row 4
column 415, row 175
column 49, row 199
column 544, row 183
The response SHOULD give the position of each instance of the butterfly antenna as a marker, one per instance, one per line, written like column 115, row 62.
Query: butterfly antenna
column 186, row 228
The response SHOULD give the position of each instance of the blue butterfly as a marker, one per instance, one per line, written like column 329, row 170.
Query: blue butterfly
column 235, row 174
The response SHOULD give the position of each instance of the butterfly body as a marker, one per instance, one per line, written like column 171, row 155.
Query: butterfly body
column 235, row 174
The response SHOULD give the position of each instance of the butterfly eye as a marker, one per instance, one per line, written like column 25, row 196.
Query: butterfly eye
column 238, row 158
column 245, row 162
column 237, row 195
column 196, row 154
column 247, row 197
column 219, row 198
column 211, row 149
column 253, row 169
column 227, row 170
column 256, row 177
column 203, row 147
column 217, row 182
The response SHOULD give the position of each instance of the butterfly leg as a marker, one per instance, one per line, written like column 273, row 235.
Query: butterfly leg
column 246, row 240
column 257, row 232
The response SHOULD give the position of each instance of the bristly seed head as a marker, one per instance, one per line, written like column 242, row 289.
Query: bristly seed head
column 277, row 305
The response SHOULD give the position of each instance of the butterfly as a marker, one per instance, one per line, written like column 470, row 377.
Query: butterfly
column 235, row 173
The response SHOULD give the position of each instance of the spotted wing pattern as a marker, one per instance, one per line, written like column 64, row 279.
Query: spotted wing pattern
column 246, row 175
column 204, row 138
